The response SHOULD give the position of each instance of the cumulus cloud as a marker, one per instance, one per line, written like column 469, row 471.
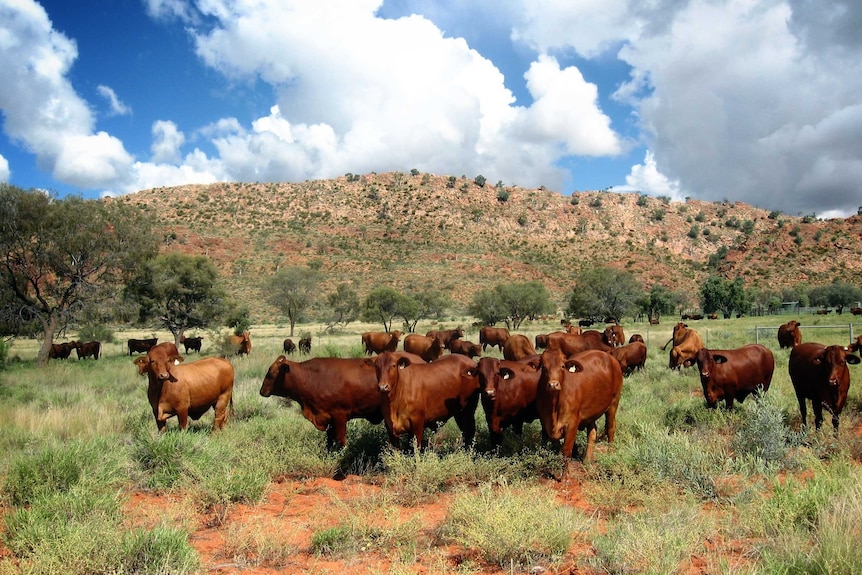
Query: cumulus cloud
column 116, row 107
column 647, row 179
column 167, row 141
column 4, row 169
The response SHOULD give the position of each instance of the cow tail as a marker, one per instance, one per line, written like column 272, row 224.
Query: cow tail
column 664, row 347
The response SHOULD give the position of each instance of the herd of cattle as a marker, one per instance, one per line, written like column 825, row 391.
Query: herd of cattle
column 568, row 387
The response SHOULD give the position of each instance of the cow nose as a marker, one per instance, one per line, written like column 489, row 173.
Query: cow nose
column 554, row 384
column 383, row 387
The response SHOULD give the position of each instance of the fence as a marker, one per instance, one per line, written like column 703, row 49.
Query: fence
column 848, row 327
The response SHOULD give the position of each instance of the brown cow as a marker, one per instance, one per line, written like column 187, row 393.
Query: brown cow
column 855, row 345
column 188, row 389
column 820, row 373
column 305, row 345
column 614, row 336
column 468, row 348
column 632, row 356
column 192, row 343
column 570, row 343
column 90, row 349
column 636, row 337
column 428, row 348
column 789, row 334
column 416, row 395
column 574, row 392
column 380, row 341
column 508, row 394
column 493, row 337
column 518, row 347
column 686, row 344
column 141, row 345
column 541, row 341
column 288, row 346
column 329, row 390
column 730, row 374
column 856, row 310
column 61, row 350
column 241, row 343
column 447, row 335
column 575, row 329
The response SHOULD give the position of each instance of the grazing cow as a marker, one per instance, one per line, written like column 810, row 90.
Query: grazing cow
column 288, row 346
column 855, row 345
column 493, row 336
column 614, row 336
column 187, row 389
column 730, row 374
column 468, row 348
column 636, row 337
column 686, row 344
column 90, row 349
column 241, row 344
column 61, row 350
column 192, row 343
column 570, row 343
column 141, row 345
column 447, row 335
column 789, row 334
column 632, row 356
column 823, row 311
column 380, row 341
column 508, row 394
column 305, row 345
column 329, row 390
column 819, row 373
column 654, row 321
column 574, row 392
column 856, row 310
column 585, row 322
column 518, row 347
column 428, row 348
column 417, row 395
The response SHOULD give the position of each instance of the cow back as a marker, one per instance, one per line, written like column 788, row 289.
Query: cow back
column 518, row 347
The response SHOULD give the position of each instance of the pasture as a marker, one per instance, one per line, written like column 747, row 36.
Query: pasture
column 88, row 486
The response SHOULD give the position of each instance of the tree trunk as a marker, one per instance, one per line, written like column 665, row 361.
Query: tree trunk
column 49, row 327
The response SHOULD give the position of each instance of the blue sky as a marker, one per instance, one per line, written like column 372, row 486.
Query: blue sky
column 742, row 100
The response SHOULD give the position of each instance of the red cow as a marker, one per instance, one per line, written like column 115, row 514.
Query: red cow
column 428, row 348
column 575, row 329
column 493, row 337
column 416, row 395
column 686, row 344
column 241, row 343
column 329, row 390
column 789, row 334
column 61, row 350
column 508, row 394
column 855, row 345
column 90, row 349
column 632, row 356
column 730, row 374
column 820, row 374
column 380, row 341
column 141, row 345
column 614, row 336
column 447, row 335
column 518, row 347
column 636, row 337
column 288, row 346
column 192, row 343
column 467, row 348
column 570, row 343
column 541, row 341
column 856, row 310
column 574, row 392
column 188, row 389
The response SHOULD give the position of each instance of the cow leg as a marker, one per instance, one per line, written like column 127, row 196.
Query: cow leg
column 569, row 439
column 591, row 443
column 611, row 423
column 336, row 433
column 817, row 406
column 221, row 411
column 728, row 402
column 183, row 418
column 803, row 410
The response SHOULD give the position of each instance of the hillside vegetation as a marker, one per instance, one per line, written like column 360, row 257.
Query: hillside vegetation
column 406, row 229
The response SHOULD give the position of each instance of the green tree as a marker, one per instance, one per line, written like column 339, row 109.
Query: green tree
column 179, row 291
column 59, row 255
column 423, row 304
column 659, row 301
column 724, row 295
column 605, row 292
column 510, row 302
column 382, row 304
column 486, row 306
column 293, row 290
column 837, row 294
column 342, row 306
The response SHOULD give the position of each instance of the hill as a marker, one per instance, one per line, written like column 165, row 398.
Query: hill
column 406, row 229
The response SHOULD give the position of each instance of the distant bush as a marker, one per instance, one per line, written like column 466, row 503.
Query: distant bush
column 96, row 333
column 480, row 181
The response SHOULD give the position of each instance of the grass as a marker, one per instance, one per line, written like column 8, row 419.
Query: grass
column 744, row 491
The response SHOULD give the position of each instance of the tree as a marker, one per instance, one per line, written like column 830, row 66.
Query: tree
column 425, row 304
column 724, row 295
column 179, row 291
column 58, row 255
column 837, row 294
column 292, row 290
column 381, row 304
column 604, row 292
column 510, row 302
column 342, row 306
column 657, row 302
column 486, row 306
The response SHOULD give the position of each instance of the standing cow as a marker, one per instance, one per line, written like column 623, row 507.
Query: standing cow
column 733, row 374
column 493, row 337
column 518, row 347
column 380, row 341
column 820, row 374
column 508, row 394
column 789, row 334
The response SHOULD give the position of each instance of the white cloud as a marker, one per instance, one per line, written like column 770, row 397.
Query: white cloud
column 167, row 140
column 117, row 108
column 648, row 179
column 4, row 169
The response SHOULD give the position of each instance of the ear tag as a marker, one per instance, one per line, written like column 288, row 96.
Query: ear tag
column 573, row 369
column 176, row 362
column 506, row 375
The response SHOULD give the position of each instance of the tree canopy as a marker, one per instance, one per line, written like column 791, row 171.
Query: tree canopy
column 605, row 292
column 510, row 302
column 724, row 295
column 293, row 290
column 382, row 304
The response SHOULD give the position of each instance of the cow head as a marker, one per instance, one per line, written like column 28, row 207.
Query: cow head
column 273, row 381
column 487, row 372
column 143, row 364
column 160, row 362
column 387, row 367
column 706, row 362
column 555, row 366
column 855, row 346
column 834, row 359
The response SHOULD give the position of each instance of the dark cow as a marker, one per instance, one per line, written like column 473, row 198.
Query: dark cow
column 428, row 348
column 636, row 337
column 493, row 337
column 241, row 344
column 186, row 389
column 305, row 345
column 585, row 322
column 686, row 344
column 380, row 341
column 90, row 349
column 570, row 343
column 192, row 343
column 632, row 356
column 574, row 392
column 855, row 345
column 447, row 335
column 468, row 348
column 518, row 347
column 789, row 334
column 614, row 336
column 733, row 374
column 508, row 394
column 329, row 390
column 823, row 311
column 141, row 345
column 820, row 374
column 541, row 341
column 856, row 310
column 417, row 395
column 288, row 346
column 61, row 350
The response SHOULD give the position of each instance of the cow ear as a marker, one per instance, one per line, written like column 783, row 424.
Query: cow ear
column 850, row 358
column 573, row 366
column 533, row 363
column 720, row 358
column 688, row 363
column 403, row 362
column 177, row 359
column 506, row 373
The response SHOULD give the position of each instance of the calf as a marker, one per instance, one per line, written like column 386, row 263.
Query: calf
column 61, row 350
column 508, row 394
column 632, row 356
column 305, row 346
column 574, row 392
column 820, row 374
column 241, row 344
column 417, row 395
column 188, row 389
column 614, row 336
column 518, row 347
column 192, row 343
column 288, row 346
column 730, row 374
column 468, row 348
column 428, row 348
column 448, row 336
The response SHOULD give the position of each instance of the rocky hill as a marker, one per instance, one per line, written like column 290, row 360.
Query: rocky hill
column 408, row 229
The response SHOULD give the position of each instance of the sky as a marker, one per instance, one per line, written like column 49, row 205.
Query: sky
column 754, row 101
